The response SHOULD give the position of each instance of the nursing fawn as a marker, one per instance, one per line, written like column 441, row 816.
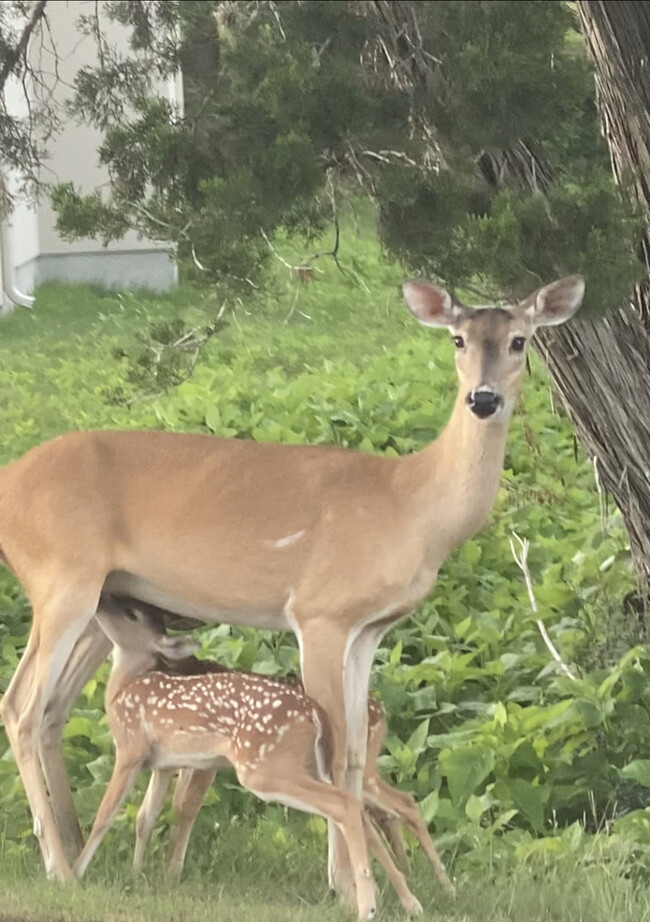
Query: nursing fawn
column 275, row 737
column 386, row 808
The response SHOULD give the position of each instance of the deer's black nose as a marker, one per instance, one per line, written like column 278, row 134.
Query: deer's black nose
column 483, row 403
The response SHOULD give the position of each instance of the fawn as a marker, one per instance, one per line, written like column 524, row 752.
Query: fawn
column 386, row 807
column 166, row 721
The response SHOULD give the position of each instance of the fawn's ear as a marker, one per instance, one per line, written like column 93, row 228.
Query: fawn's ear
column 555, row 303
column 177, row 647
column 433, row 306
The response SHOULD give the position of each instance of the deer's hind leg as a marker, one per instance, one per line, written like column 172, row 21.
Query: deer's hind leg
column 61, row 616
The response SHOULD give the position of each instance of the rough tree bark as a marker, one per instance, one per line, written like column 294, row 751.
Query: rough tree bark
column 602, row 367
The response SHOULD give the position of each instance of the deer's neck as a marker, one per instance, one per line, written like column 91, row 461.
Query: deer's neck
column 457, row 478
column 128, row 665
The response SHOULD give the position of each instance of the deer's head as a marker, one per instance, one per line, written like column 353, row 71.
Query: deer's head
column 491, row 342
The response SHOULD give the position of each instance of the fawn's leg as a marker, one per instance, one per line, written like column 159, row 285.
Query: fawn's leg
column 124, row 775
column 188, row 798
column 390, row 827
column 402, row 805
column 410, row 903
column 148, row 812
column 285, row 780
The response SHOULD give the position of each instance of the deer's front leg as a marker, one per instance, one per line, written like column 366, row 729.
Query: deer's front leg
column 360, row 653
column 323, row 652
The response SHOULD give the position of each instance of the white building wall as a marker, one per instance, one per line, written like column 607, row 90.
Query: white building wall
column 19, row 242
column 38, row 254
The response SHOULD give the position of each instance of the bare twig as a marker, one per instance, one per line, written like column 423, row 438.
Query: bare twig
column 276, row 254
column 278, row 21
column 602, row 497
column 195, row 259
column 293, row 307
column 391, row 156
column 153, row 219
column 18, row 53
column 363, row 175
column 552, row 400
column 303, row 272
column 521, row 560
column 334, row 252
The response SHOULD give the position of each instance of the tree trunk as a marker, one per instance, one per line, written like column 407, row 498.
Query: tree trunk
column 602, row 367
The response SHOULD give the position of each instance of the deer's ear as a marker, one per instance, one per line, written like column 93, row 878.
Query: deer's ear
column 177, row 647
column 432, row 306
column 555, row 303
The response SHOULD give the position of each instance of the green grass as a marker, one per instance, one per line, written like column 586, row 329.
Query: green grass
column 63, row 346
column 566, row 892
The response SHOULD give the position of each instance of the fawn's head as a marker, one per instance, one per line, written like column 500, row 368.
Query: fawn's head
column 138, row 636
column 491, row 342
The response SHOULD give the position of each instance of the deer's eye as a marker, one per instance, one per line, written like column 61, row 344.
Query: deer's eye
column 459, row 342
column 517, row 344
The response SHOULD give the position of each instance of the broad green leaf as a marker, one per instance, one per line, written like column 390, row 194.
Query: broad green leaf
column 573, row 835
column 429, row 806
column 89, row 689
column 213, row 418
column 529, row 800
column 317, row 824
column 418, row 739
column 101, row 768
column 474, row 809
column 78, row 726
column 465, row 767
column 396, row 653
column 637, row 770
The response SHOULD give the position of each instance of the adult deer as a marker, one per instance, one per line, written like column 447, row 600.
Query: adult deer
column 332, row 544
column 387, row 808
